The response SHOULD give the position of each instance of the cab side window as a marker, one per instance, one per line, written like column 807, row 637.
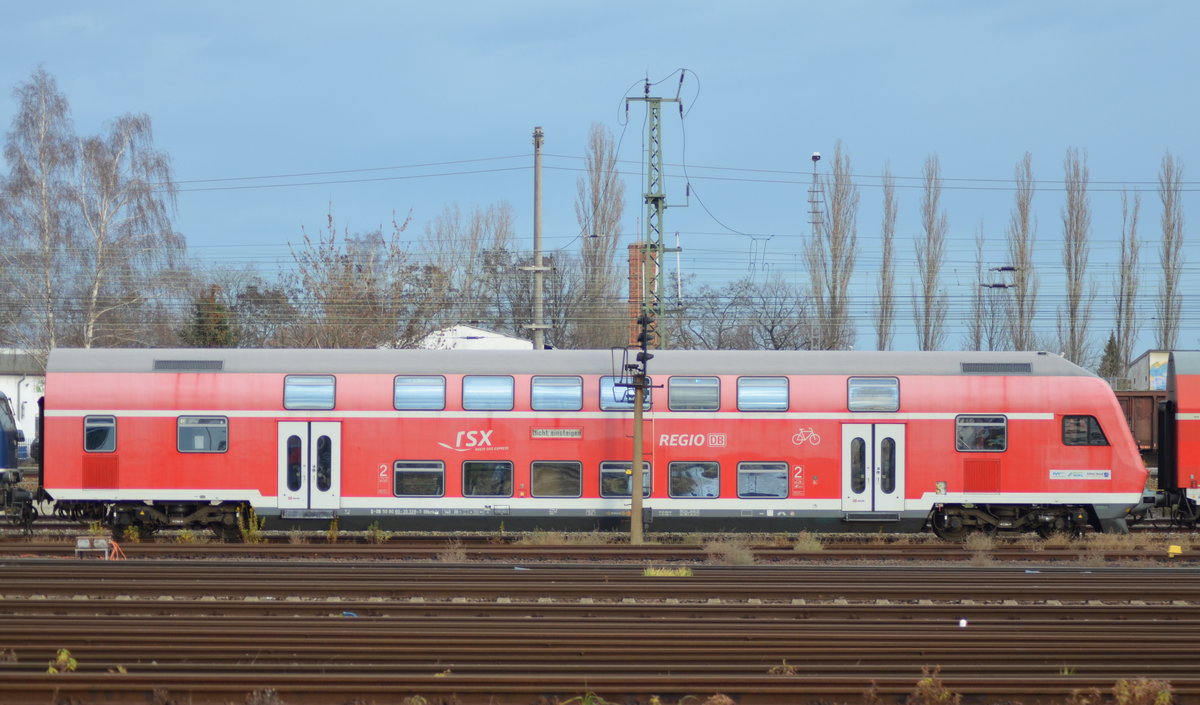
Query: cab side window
column 1083, row 431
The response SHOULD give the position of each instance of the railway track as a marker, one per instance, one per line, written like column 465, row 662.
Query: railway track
column 337, row 632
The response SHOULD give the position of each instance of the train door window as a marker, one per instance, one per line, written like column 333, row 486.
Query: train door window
column 486, row 478
column 693, row 394
column 695, row 479
column 419, row 393
column 308, row 392
column 887, row 465
column 416, row 478
column 556, row 393
column 981, row 434
column 556, row 479
column 763, row 480
column 1082, row 431
column 858, row 465
column 202, row 434
column 293, row 463
column 487, row 393
column 873, row 394
column 614, row 397
column 616, row 478
column 762, row 393
column 100, row 434
column 324, row 463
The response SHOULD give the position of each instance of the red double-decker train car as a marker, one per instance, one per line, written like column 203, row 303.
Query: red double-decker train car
column 464, row 440
column 1179, row 439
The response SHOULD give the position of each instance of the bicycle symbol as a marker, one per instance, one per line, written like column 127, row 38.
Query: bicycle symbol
column 806, row 435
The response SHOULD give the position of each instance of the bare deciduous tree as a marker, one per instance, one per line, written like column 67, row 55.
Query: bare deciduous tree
column 1021, row 233
column 985, row 325
column 831, row 253
column 599, row 205
column 886, row 314
column 929, row 304
column 35, row 213
column 464, row 251
column 1075, row 316
column 359, row 291
column 1125, row 331
column 128, row 253
column 1170, row 299
column 746, row 315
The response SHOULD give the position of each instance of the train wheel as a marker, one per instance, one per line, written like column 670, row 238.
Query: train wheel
column 229, row 533
column 949, row 528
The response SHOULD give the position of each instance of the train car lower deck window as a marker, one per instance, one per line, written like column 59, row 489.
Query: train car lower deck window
column 616, row 478
column 202, row 434
column 484, row 478
column 694, row 479
column 981, row 434
column 419, row 478
column 1083, row 431
column 100, row 434
column 556, row 479
column 763, row 480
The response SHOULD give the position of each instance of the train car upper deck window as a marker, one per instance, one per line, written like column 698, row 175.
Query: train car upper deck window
column 693, row 394
column 1083, row 431
column 616, row 398
column 556, row 478
column 202, row 434
column 873, row 394
column 100, row 434
column 419, row 478
column 487, row 393
column 981, row 434
column 695, row 479
column 556, row 393
column 763, row 480
column 616, row 478
column 419, row 393
column 485, row 478
column 308, row 392
column 762, row 394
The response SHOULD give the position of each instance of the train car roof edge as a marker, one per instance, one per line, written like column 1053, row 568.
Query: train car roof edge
column 665, row 362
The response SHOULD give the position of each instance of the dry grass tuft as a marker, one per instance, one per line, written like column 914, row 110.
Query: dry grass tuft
column 978, row 541
column 678, row 572
column 808, row 542
column 454, row 553
column 729, row 552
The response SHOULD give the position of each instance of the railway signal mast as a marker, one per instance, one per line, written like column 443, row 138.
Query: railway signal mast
column 652, row 291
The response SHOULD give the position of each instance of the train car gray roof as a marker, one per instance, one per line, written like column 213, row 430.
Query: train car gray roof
column 665, row 362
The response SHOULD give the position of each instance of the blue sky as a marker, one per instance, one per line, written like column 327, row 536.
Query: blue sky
column 253, row 89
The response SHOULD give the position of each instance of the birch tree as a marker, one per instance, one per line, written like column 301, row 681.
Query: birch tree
column 36, row 214
column 1170, row 299
column 929, row 304
column 128, row 253
column 1075, row 315
column 1021, row 235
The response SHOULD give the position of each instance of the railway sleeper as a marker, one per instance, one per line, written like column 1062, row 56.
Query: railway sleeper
column 955, row 522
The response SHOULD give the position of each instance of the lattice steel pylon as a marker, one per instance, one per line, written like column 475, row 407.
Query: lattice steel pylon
column 653, row 249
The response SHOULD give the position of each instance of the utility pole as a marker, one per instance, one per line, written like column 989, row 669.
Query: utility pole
column 640, row 385
column 539, row 314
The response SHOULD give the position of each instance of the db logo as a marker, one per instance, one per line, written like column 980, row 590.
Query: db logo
column 687, row 440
